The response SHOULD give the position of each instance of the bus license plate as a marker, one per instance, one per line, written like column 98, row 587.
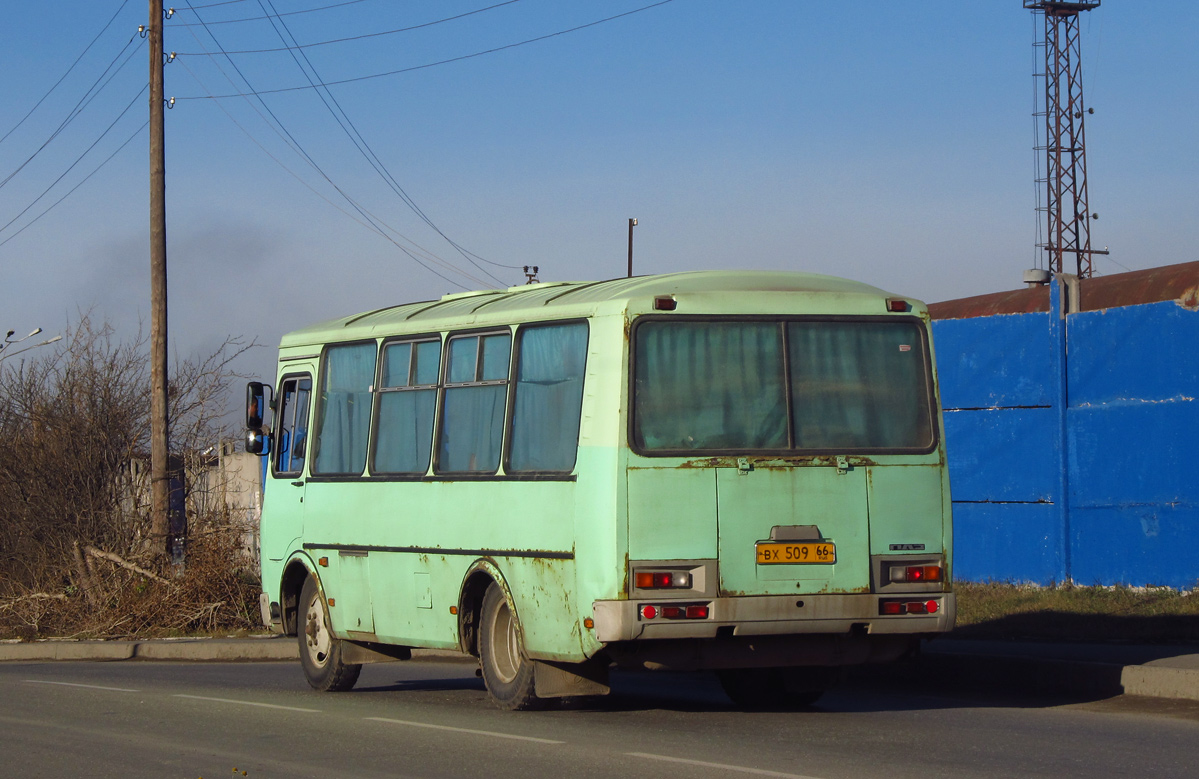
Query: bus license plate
column 796, row 553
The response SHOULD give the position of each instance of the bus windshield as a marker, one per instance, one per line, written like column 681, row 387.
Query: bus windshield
column 799, row 386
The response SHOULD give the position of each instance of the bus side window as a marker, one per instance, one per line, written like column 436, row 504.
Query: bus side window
column 548, row 398
column 344, row 411
column 476, row 392
column 407, row 400
column 292, row 434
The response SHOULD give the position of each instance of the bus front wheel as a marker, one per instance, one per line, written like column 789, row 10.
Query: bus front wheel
column 320, row 652
column 507, row 672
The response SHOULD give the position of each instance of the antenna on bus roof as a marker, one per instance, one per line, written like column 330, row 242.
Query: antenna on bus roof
column 632, row 224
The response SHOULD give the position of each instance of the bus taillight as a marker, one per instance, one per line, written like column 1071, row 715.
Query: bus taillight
column 916, row 573
column 694, row 611
column 658, row 580
column 891, row 608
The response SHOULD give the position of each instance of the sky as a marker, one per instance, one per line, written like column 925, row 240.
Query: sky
column 889, row 142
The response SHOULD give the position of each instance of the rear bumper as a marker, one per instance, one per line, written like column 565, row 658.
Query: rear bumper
column 766, row 615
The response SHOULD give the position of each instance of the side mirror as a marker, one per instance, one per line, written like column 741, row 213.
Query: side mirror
column 258, row 442
column 256, row 403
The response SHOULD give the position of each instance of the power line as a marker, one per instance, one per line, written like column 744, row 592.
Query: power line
column 360, row 142
column 77, row 159
column 364, row 148
column 83, row 181
column 299, row 149
column 430, row 64
column 299, row 45
column 86, row 49
column 83, row 103
column 275, row 159
column 194, row 8
column 259, row 18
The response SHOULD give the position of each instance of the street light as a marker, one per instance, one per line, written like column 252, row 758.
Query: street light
column 10, row 341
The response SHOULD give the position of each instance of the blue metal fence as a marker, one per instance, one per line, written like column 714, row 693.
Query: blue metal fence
column 1073, row 440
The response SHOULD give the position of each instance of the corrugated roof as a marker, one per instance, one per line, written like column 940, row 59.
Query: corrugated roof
column 1151, row 285
column 1018, row 301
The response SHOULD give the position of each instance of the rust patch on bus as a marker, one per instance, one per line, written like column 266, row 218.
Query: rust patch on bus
column 710, row 462
column 776, row 463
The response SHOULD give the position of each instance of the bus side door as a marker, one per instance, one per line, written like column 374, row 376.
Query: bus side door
column 289, row 454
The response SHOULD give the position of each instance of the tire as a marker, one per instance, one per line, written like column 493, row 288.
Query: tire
column 776, row 688
column 507, row 670
column 320, row 652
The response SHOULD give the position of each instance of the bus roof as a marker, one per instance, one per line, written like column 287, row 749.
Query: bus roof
column 563, row 299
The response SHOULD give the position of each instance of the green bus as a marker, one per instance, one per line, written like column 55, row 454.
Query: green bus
column 736, row 471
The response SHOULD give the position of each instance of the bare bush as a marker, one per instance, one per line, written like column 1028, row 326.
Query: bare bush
column 216, row 593
column 75, row 425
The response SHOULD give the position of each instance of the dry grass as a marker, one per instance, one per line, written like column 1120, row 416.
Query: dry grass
column 1072, row 613
column 215, row 595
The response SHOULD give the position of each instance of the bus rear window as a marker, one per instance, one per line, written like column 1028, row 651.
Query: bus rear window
column 781, row 386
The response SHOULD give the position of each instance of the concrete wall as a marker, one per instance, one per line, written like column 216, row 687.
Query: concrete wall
column 1072, row 428
column 224, row 486
column 228, row 484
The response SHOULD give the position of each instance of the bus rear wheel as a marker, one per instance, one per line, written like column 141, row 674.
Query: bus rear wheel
column 507, row 671
column 775, row 688
column 320, row 652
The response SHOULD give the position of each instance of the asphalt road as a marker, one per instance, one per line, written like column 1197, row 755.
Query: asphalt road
column 433, row 719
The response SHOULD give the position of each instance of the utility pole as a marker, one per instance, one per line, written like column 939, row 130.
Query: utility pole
column 632, row 224
column 160, row 478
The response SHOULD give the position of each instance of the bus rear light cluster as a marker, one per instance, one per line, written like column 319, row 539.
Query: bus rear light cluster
column 892, row 608
column 650, row 611
column 662, row 580
column 916, row 573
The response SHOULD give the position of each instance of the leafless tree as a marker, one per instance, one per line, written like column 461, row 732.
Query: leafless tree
column 74, row 422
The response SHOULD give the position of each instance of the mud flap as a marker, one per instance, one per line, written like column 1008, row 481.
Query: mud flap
column 562, row 680
column 363, row 652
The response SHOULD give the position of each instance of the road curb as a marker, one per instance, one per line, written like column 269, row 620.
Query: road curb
column 67, row 650
column 1175, row 683
column 196, row 650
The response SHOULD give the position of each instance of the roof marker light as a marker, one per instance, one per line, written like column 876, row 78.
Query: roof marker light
column 898, row 305
column 665, row 303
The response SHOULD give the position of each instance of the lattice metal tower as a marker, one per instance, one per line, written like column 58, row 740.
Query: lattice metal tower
column 1069, row 217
